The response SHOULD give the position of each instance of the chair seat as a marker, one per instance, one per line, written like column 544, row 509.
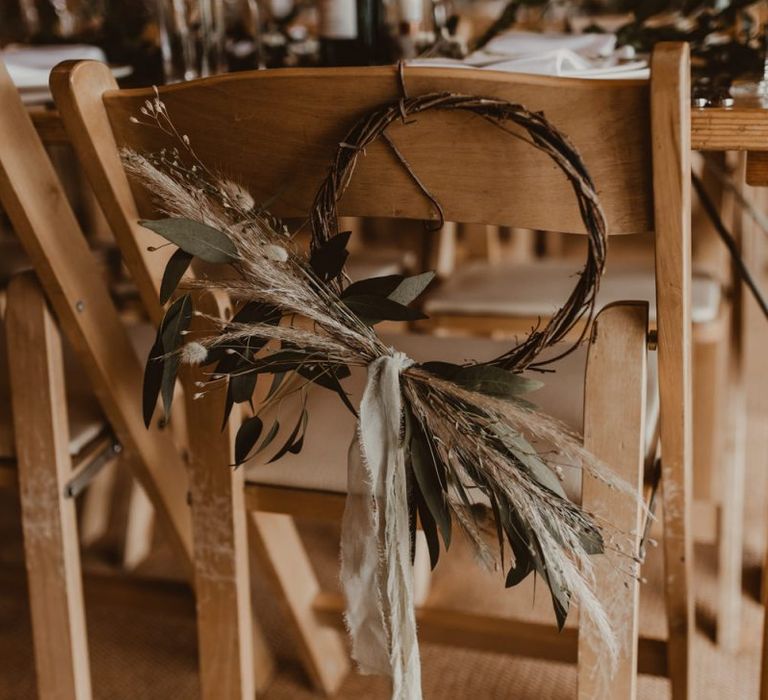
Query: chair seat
column 538, row 289
column 86, row 420
column 322, row 463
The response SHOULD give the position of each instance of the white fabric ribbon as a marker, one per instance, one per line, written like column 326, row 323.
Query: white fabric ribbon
column 376, row 571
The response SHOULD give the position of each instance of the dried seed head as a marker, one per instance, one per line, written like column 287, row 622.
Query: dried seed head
column 275, row 252
column 194, row 353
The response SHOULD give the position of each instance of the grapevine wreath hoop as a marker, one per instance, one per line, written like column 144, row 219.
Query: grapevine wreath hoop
column 445, row 444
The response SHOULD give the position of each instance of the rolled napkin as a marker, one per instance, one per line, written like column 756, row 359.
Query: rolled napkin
column 376, row 570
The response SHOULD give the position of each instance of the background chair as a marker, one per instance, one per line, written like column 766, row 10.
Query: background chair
column 33, row 199
column 477, row 181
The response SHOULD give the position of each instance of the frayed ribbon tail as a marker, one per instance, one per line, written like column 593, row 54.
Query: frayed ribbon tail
column 376, row 571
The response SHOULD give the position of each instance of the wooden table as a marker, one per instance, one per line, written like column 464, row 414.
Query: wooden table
column 743, row 127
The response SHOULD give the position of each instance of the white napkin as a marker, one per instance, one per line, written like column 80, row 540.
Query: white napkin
column 566, row 55
column 30, row 66
column 518, row 43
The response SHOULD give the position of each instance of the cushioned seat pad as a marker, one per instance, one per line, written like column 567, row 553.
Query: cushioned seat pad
column 538, row 289
column 322, row 463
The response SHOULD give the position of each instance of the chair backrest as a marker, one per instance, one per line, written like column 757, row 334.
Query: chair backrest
column 276, row 133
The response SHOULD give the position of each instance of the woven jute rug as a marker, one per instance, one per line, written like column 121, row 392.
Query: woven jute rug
column 143, row 645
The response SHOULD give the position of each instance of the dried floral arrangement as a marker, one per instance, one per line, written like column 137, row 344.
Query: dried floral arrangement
column 449, row 445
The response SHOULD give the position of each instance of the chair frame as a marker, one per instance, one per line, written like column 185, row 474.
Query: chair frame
column 32, row 196
column 49, row 520
column 80, row 91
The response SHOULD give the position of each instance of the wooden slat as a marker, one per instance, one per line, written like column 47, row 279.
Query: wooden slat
column 78, row 97
column 670, row 110
column 616, row 375
column 291, row 122
column 49, row 126
column 51, row 546
column 282, row 555
column 712, row 129
column 296, row 502
column 498, row 635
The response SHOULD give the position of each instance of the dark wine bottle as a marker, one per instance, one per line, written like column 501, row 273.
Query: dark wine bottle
column 351, row 32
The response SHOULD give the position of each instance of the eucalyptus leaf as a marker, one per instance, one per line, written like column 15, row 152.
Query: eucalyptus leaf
column 257, row 312
column 327, row 260
column 176, row 321
column 561, row 596
column 277, row 380
column 372, row 309
column 293, row 437
column 155, row 371
column 271, row 435
column 429, row 527
column 592, row 540
column 153, row 378
column 381, row 286
column 246, row 438
column 174, row 271
column 195, row 238
column 494, row 381
column 229, row 403
column 445, row 370
column 242, row 385
column 528, row 459
column 298, row 443
column 520, row 570
column 411, row 288
column 327, row 376
column 284, row 361
column 425, row 469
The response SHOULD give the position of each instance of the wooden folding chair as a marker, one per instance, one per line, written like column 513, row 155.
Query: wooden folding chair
column 275, row 132
column 489, row 297
column 32, row 197
column 41, row 449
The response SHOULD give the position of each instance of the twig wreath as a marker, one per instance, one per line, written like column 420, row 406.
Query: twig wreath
column 436, row 442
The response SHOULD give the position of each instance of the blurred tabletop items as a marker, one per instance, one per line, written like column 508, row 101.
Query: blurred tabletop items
column 161, row 41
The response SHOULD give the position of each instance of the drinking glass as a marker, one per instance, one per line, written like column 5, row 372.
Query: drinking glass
column 191, row 38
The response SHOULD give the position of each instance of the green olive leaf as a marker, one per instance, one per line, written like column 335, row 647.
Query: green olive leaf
column 195, row 238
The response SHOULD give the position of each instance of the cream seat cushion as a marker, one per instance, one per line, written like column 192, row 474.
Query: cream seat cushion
column 86, row 421
column 378, row 262
column 322, row 463
column 538, row 289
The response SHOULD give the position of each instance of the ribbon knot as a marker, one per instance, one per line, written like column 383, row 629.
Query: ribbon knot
column 376, row 570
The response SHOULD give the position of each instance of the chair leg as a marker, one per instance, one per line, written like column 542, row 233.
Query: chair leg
column 764, row 659
column 670, row 116
column 280, row 549
column 48, row 518
column 616, row 374
column 139, row 528
column 234, row 658
column 731, row 527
